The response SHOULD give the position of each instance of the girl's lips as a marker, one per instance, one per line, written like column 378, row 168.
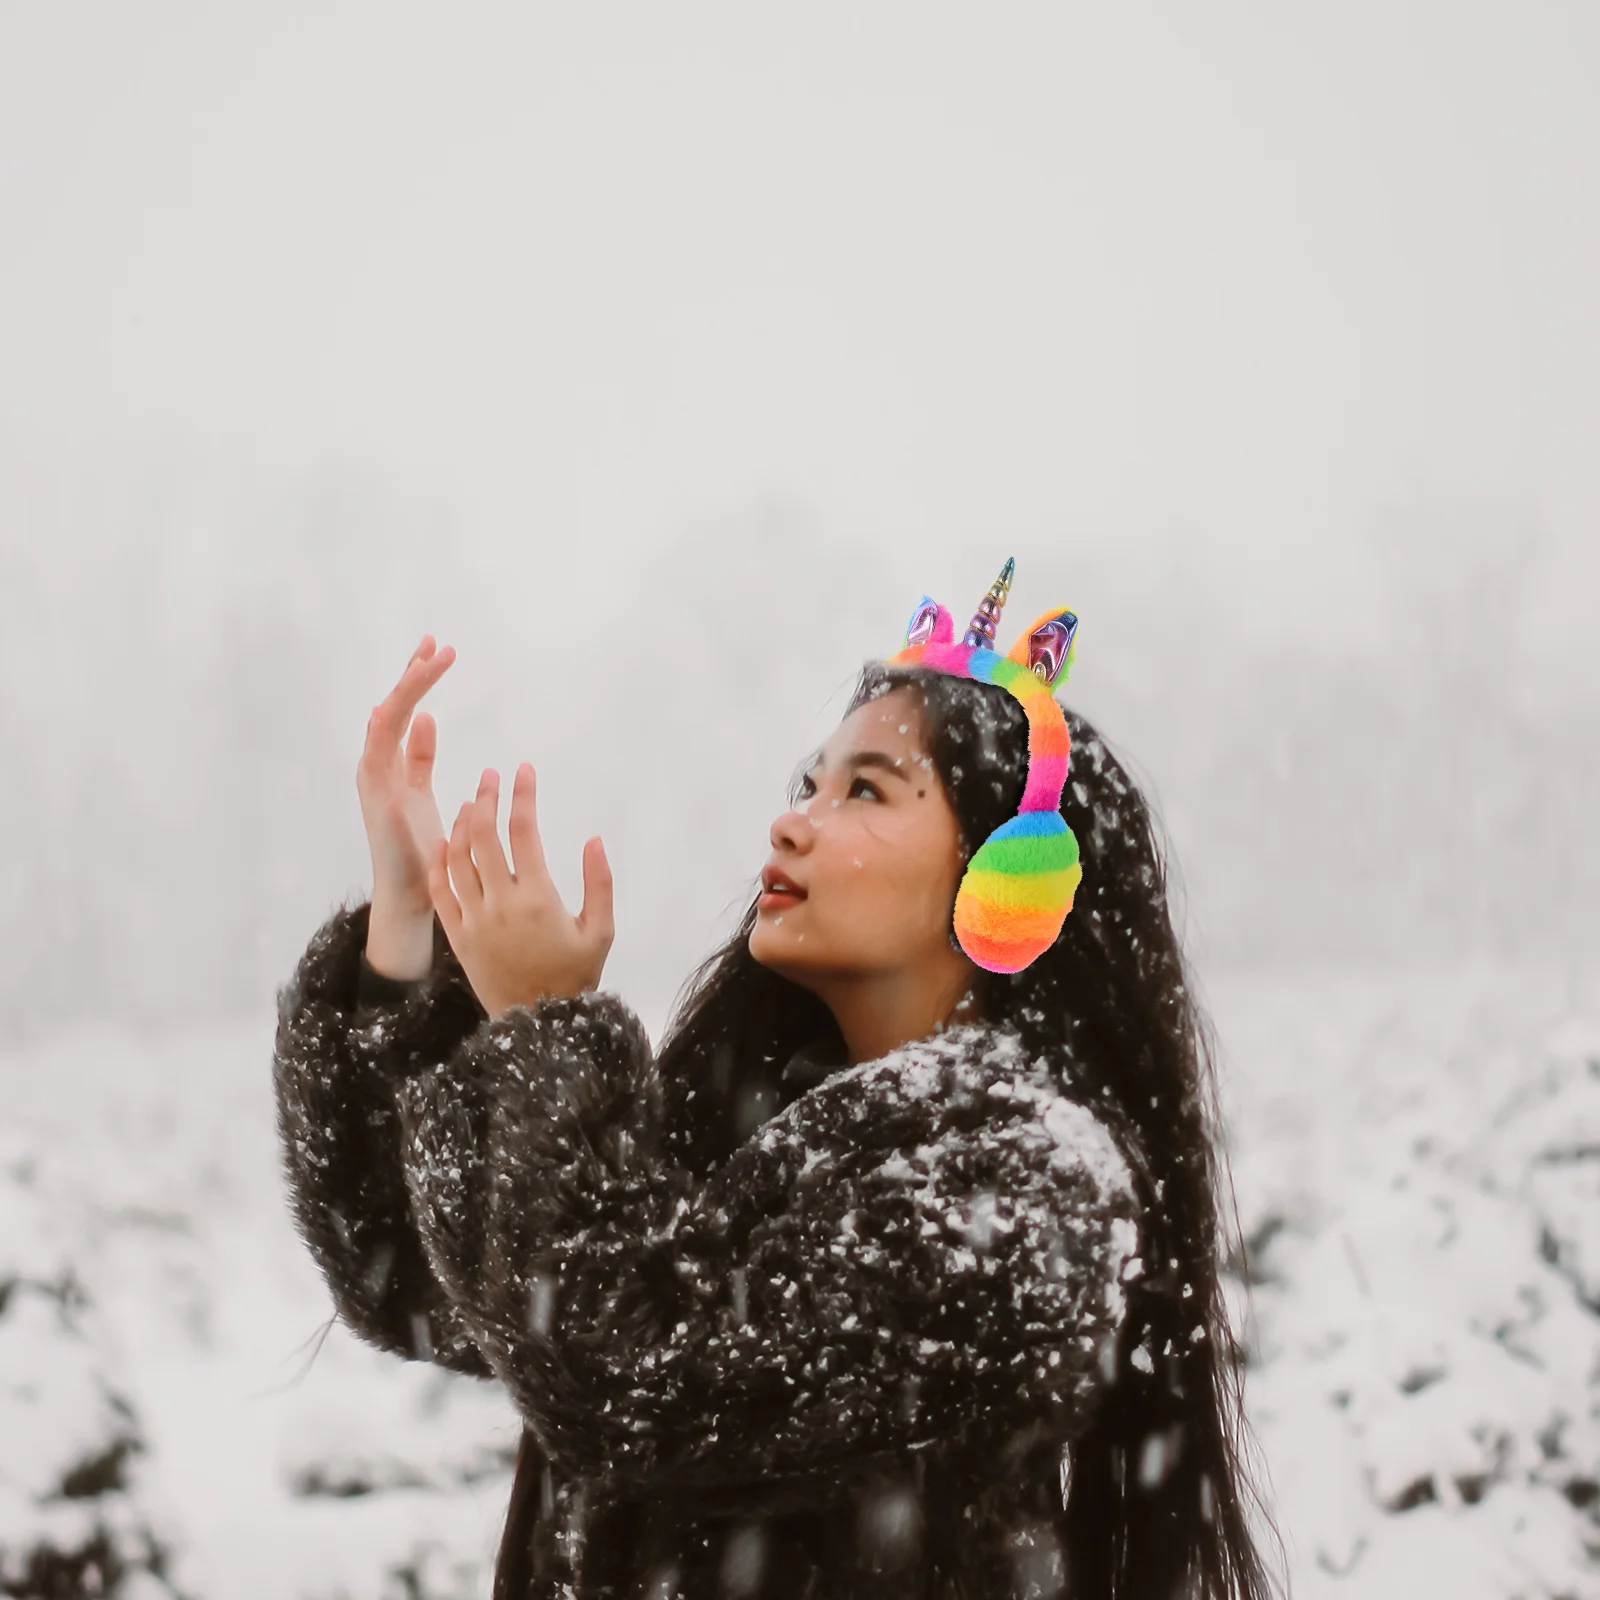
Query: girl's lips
column 779, row 897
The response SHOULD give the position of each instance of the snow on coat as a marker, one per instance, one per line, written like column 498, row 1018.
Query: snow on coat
column 851, row 1359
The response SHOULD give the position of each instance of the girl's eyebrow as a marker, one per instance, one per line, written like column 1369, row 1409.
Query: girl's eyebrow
column 868, row 758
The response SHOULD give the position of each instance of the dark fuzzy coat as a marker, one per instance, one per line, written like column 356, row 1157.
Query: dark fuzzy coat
column 848, row 1359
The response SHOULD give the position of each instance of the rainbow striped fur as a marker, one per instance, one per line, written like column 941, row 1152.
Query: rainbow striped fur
column 1019, row 884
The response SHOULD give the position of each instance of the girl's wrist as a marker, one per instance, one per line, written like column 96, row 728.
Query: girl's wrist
column 399, row 939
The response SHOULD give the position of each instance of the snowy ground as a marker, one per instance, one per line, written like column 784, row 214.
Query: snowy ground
column 1416, row 1158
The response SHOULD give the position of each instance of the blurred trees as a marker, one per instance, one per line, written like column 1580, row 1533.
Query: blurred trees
column 189, row 660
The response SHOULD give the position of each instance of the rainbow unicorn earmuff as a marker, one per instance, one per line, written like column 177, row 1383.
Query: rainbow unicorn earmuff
column 1018, row 886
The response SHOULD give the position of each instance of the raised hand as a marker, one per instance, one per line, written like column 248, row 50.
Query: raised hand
column 395, row 782
column 394, row 779
column 515, row 939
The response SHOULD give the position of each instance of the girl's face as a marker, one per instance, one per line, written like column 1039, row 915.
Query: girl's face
column 874, row 844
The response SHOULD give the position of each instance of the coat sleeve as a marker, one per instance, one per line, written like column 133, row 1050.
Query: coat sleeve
column 337, row 1061
column 918, row 1246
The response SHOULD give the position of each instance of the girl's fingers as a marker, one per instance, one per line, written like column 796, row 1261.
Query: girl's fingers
column 527, row 849
column 383, row 735
column 493, row 870
column 421, row 673
column 392, row 714
column 596, row 919
column 463, row 874
column 444, row 900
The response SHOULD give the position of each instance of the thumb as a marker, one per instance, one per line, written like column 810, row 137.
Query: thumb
column 596, row 919
column 422, row 745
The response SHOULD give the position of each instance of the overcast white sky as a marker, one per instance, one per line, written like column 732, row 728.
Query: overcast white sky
column 1260, row 278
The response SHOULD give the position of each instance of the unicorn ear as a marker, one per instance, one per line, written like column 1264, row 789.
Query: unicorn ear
column 1045, row 646
column 930, row 624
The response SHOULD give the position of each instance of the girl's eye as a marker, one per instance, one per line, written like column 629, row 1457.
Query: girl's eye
column 807, row 789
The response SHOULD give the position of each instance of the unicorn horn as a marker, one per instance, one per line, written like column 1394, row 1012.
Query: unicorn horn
column 980, row 631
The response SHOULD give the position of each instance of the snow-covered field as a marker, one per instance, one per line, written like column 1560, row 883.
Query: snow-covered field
column 1417, row 1162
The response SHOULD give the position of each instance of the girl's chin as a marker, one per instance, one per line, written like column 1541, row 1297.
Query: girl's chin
column 774, row 931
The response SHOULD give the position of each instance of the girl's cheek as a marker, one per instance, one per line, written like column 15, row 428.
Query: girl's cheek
column 886, row 832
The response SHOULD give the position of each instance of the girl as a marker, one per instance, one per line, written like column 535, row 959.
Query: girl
column 891, row 1273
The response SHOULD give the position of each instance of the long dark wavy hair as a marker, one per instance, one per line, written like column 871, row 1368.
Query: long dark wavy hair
column 1157, row 1505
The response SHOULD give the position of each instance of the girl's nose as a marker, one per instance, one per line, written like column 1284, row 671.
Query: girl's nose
column 796, row 830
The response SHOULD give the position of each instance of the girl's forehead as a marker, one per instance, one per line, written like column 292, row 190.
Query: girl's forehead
column 889, row 723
